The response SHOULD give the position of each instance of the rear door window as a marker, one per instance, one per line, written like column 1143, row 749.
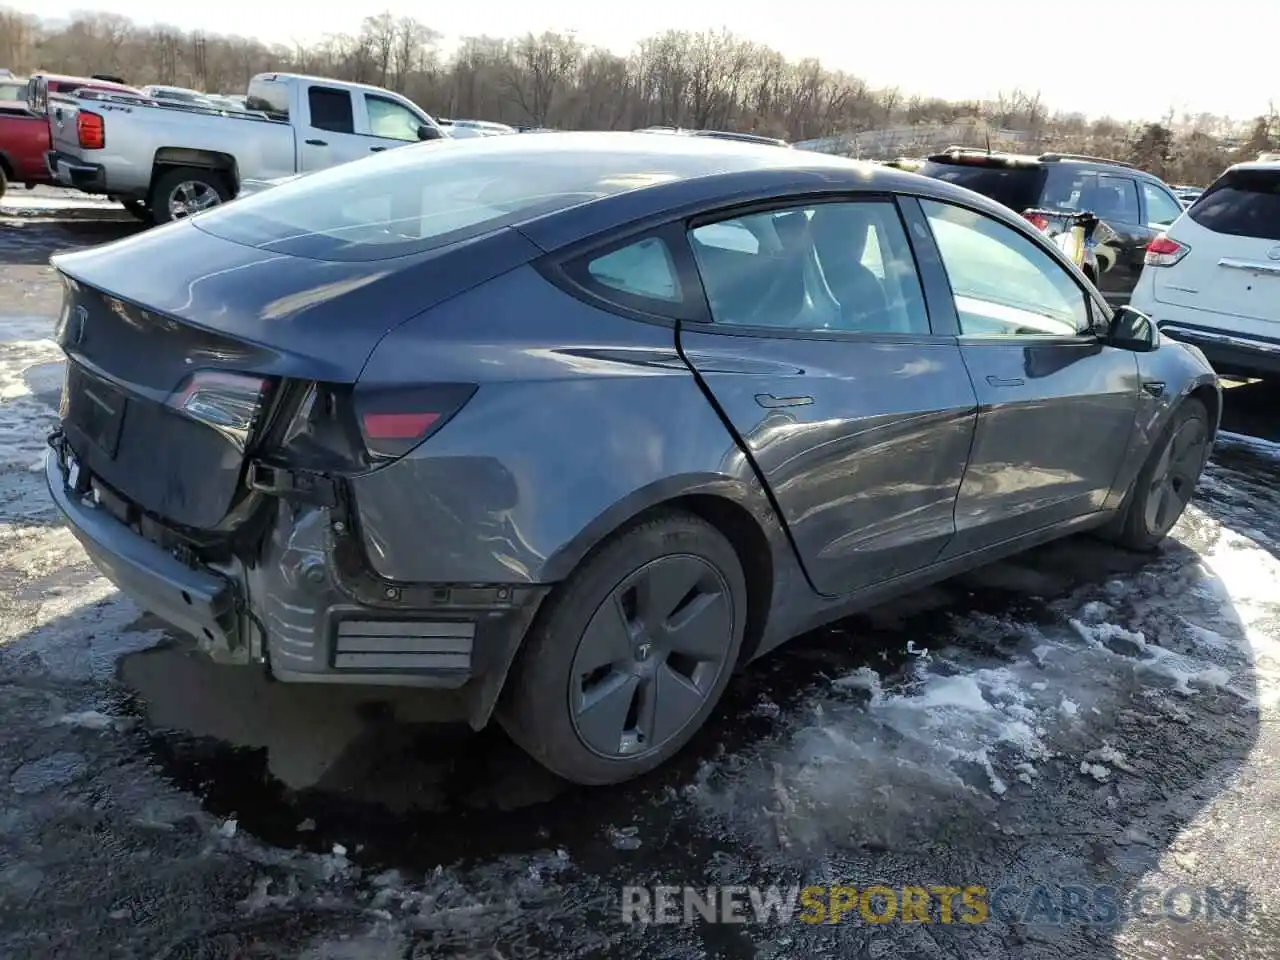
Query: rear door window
column 1242, row 203
column 1016, row 187
column 331, row 110
column 1109, row 196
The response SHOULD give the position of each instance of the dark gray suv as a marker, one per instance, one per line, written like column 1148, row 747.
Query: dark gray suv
column 578, row 424
column 1136, row 205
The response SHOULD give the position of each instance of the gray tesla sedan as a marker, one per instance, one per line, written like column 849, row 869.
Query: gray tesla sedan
column 578, row 424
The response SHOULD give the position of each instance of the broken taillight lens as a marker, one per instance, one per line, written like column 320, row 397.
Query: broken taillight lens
column 394, row 420
column 230, row 403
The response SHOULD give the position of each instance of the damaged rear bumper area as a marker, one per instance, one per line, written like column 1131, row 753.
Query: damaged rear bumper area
column 306, row 607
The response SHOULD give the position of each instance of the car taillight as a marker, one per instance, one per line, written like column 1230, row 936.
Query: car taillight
column 394, row 420
column 1165, row 252
column 1039, row 221
column 89, row 129
column 230, row 403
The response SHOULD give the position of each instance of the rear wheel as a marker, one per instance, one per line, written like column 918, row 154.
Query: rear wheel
column 631, row 654
column 4, row 181
column 138, row 209
column 184, row 191
column 1167, row 480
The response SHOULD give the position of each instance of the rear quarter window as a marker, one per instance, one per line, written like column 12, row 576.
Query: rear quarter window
column 1242, row 203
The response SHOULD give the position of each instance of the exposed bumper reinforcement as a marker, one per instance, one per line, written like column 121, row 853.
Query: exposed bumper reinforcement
column 200, row 602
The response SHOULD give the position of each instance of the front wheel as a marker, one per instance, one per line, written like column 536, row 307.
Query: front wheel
column 1167, row 480
column 185, row 191
column 631, row 653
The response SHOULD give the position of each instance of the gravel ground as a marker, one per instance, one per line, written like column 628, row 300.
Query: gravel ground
column 1077, row 716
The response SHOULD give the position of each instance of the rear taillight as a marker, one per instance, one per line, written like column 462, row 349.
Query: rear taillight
column 394, row 420
column 230, row 403
column 1165, row 252
column 90, row 130
column 1039, row 221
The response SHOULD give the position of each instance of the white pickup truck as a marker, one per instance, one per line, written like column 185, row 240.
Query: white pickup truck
column 165, row 162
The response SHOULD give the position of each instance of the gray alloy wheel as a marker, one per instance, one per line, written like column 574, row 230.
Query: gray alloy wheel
column 190, row 196
column 181, row 192
column 1166, row 482
column 650, row 656
column 1173, row 480
column 628, row 657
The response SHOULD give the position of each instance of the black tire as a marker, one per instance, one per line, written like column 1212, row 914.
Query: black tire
column 1134, row 528
column 4, row 182
column 542, row 703
column 137, row 209
column 171, row 180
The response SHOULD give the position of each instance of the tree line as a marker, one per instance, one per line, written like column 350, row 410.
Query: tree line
column 709, row 79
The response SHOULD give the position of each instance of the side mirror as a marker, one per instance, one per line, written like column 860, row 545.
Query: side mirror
column 1132, row 330
column 428, row 132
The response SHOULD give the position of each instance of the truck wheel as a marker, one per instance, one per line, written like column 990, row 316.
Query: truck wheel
column 4, row 181
column 183, row 191
column 137, row 209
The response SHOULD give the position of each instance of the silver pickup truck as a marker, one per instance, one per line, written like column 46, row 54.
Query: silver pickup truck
column 165, row 162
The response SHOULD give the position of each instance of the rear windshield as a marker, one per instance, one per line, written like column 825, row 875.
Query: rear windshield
column 415, row 198
column 1016, row 187
column 1243, row 203
column 268, row 96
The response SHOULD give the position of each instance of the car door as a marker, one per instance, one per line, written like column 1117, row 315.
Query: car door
column 389, row 123
column 1057, row 407
column 328, row 136
column 819, row 354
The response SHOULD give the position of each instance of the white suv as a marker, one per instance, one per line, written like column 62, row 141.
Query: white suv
column 1213, row 278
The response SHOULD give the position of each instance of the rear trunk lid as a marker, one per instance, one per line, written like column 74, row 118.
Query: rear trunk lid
column 1233, row 266
column 141, row 316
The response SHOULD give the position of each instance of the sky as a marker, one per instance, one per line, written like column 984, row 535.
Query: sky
column 1144, row 58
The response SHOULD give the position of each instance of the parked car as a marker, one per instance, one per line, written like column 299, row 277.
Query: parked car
column 12, row 89
column 24, row 140
column 175, row 162
column 461, row 129
column 40, row 86
column 576, row 425
column 717, row 135
column 179, row 96
column 1213, row 279
column 1187, row 195
column 1133, row 203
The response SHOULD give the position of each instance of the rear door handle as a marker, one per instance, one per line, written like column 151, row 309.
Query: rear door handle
column 769, row 401
column 1005, row 381
column 376, row 149
column 316, row 143
column 1154, row 387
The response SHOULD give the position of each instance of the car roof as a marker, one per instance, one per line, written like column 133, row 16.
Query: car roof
column 705, row 172
column 1265, row 165
column 968, row 156
column 86, row 82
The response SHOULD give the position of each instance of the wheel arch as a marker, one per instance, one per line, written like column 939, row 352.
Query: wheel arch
column 166, row 158
column 736, row 508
